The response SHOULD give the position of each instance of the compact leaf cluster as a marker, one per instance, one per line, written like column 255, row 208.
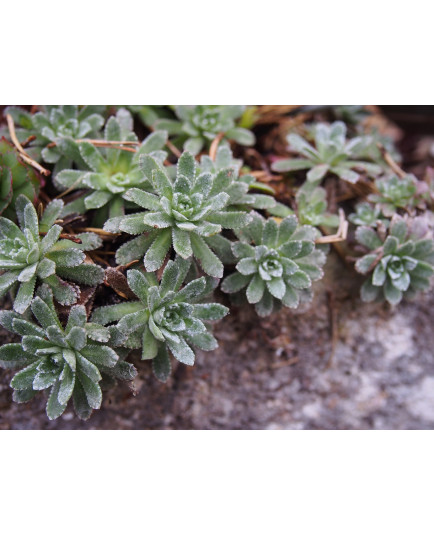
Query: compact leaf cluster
column 122, row 253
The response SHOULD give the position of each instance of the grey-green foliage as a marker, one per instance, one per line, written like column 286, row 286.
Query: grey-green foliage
column 166, row 318
column 398, row 263
column 149, row 114
column 332, row 153
column 33, row 252
column 395, row 193
column 277, row 263
column 187, row 212
column 197, row 125
column 312, row 206
column 369, row 215
column 69, row 361
column 109, row 172
column 61, row 125
column 370, row 148
column 352, row 114
column 242, row 189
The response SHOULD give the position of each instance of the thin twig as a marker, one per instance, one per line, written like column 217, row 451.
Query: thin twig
column 390, row 162
column 66, row 236
column 28, row 140
column 341, row 234
column 214, row 146
column 70, row 189
column 96, row 231
column 174, row 149
column 103, row 143
column 24, row 156
column 126, row 266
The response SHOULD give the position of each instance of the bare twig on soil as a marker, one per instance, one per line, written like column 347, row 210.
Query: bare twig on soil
column 390, row 162
column 24, row 156
column 341, row 234
column 214, row 146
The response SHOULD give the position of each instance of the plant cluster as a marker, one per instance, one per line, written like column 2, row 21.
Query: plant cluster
column 195, row 127
column 153, row 233
column 333, row 154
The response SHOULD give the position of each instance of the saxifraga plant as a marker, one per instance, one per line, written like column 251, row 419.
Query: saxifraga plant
column 16, row 178
column 277, row 263
column 184, row 213
column 166, row 318
column 395, row 193
column 399, row 263
column 56, row 129
column 70, row 361
column 241, row 188
column 332, row 154
column 199, row 211
column 368, row 215
column 198, row 125
column 112, row 171
column 33, row 252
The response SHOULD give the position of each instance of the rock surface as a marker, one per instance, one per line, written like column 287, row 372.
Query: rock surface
column 279, row 373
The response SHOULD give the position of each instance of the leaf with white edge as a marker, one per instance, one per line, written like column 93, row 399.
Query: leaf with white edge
column 187, row 166
column 158, row 220
column 66, row 385
column 87, row 368
column 277, row 288
column 54, row 407
column 77, row 338
column 81, row 404
column 97, row 199
column 230, row 220
column 210, row 311
column 97, row 332
column 24, row 378
column 299, row 280
column 255, row 290
column 210, row 263
column 134, row 249
column 91, row 389
column 156, row 254
column 100, row 355
column 368, row 237
column 161, row 365
column 44, row 315
column 182, row 243
column 241, row 136
column 87, row 274
column 143, row 199
column 91, row 156
column 149, row 345
column 13, row 355
column 113, row 313
column 46, row 268
column 24, row 295
column 182, row 352
column 234, row 283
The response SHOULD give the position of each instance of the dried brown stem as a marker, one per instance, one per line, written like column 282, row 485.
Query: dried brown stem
column 120, row 145
column 96, row 231
column 24, row 156
column 341, row 234
column 215, row 145
column 174, row 149
column 390, row 162
column 66, row 236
